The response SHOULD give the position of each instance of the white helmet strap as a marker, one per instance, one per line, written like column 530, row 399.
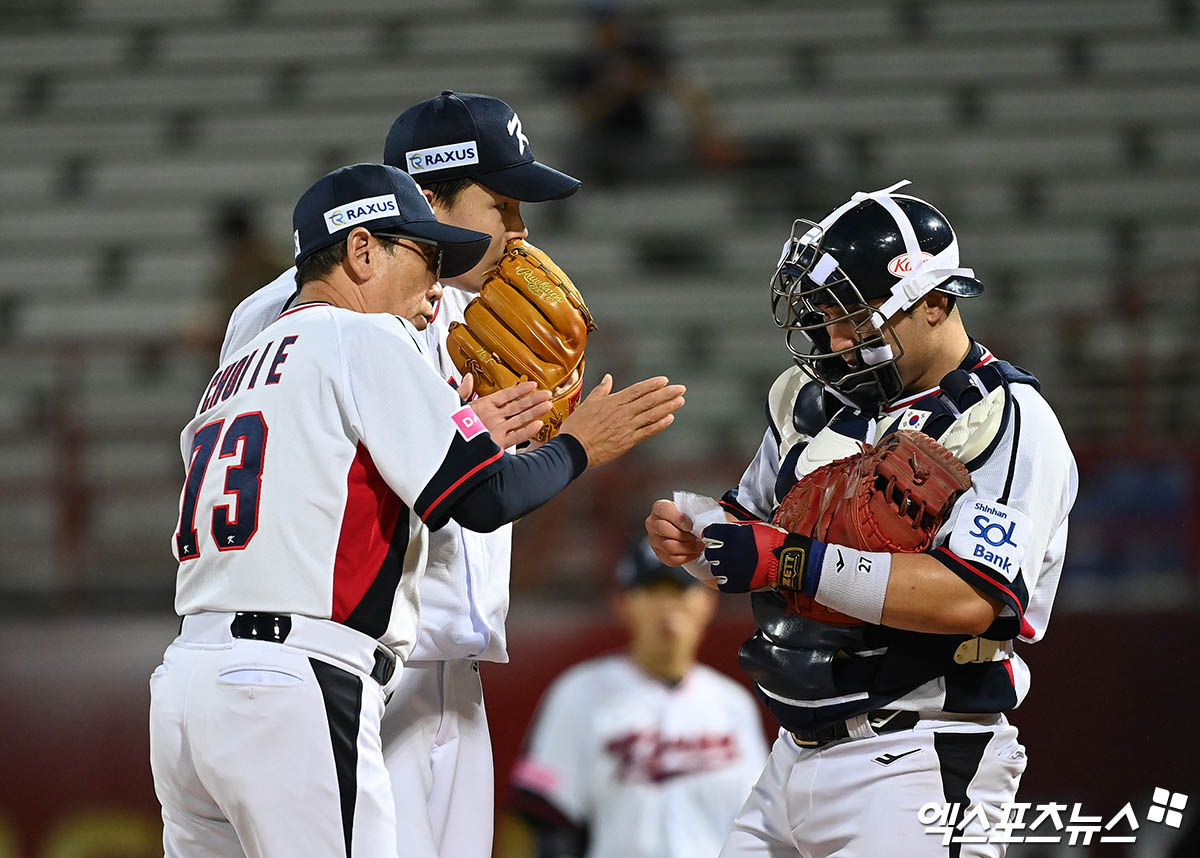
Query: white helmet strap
column 924, row 275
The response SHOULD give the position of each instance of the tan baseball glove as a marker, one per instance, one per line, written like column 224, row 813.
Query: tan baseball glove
column 529, row 322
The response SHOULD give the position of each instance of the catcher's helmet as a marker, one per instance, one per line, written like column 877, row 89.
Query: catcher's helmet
column 870, row 258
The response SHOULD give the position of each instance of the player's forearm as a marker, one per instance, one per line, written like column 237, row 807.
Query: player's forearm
column 913, row 592
column 520, row 485
column 924, row 596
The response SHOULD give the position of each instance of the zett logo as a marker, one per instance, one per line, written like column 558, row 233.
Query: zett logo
column 791, row 568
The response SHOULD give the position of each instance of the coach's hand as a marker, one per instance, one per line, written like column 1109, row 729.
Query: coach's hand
column 609, row 424
column 757, row 555
column 512, row 415
column 670, row 534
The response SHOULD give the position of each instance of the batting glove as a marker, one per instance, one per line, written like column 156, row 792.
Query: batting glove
column 757, row 556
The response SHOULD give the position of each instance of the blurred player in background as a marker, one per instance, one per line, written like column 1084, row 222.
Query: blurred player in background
column 643, row 754
column 889, row 672
column 473, row 159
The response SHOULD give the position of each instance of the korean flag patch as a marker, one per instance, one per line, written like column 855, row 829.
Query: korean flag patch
column 913, row 419
column 992, row 534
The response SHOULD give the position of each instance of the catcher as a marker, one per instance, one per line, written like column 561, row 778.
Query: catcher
column 902, row 525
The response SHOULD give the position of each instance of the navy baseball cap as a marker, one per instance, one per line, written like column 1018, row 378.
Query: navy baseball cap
column 640, row 567
column 382, row 200
column 459, row 135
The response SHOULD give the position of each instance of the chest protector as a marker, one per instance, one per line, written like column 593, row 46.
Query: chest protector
column 812, row 674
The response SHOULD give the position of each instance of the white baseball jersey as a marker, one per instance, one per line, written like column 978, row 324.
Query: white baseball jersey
column 321, row 454
column 464, row 596
column 649, row 769
column 858, row 796
column 1006, row 536
column 464, row 593
column 257, row 310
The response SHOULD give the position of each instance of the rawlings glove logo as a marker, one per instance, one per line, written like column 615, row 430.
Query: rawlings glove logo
column 543, row 289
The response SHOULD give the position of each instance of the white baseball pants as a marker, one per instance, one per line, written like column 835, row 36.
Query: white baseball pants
column 859, row 798
column 270, row 750
column 439, row 756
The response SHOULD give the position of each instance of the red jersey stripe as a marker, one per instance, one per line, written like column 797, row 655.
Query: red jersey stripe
column 975, row 569
column 459, row 482
column 988, row 357
column 368, row 522
column 304, row 307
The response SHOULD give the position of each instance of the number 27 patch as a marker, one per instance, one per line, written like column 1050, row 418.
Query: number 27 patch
column 992, row 534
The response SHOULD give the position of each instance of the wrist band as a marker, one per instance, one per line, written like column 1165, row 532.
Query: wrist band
column 854, row 582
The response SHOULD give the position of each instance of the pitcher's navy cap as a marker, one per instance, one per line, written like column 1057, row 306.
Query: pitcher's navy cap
column 464, row 135
column 383, row 200
column 640, row 567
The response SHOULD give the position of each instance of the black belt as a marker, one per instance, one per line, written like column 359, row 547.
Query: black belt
column 277, row 627
column 881, row 721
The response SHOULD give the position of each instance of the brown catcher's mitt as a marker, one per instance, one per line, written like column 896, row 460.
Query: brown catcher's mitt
column 893, row 497
column 528, row 322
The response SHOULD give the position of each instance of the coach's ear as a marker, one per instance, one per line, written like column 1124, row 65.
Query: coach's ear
column 358, row 254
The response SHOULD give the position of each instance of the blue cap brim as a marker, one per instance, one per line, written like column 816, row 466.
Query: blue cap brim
column 531, row 182
column 963, row 287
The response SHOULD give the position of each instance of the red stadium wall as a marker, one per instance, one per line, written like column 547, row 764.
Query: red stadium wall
column 1108, row 719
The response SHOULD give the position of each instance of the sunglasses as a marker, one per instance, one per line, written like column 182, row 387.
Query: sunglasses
column 433, row 256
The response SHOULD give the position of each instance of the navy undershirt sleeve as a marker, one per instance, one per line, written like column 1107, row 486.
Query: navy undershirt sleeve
column 520, row 485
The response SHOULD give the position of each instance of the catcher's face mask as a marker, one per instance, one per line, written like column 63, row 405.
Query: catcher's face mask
column 811, row 298
column 839, row 327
